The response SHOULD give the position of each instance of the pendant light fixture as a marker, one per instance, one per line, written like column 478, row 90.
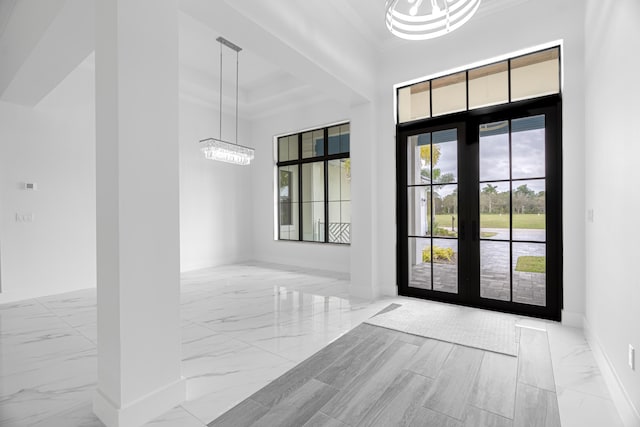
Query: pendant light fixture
column 411, row 20
column 217, row 148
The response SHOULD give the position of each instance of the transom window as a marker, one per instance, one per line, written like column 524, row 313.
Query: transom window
column 524, row 77
column 314, row 185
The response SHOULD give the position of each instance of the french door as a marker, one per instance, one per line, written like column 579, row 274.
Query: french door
column 479, row 208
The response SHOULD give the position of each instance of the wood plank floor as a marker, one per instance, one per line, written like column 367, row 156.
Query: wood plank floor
column 373, row 376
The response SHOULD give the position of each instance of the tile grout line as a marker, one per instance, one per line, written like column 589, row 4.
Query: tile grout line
column 515, row 396
column 249, row 344
column 191, row 414
column 65, row 322
column 492, row 412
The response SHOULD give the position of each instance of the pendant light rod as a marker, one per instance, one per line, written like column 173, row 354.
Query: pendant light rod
column 220, row 128
column 237, row 75
column 237, row 49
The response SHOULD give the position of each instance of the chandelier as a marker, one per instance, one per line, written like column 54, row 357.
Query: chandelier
column 217, row 148
column 411, row 20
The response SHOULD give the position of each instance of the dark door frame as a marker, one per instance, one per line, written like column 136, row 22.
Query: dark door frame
column 467, row 123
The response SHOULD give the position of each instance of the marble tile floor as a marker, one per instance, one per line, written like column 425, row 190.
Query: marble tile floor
column 243, row 326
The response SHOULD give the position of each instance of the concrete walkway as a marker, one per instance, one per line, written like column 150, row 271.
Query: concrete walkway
column 495, row 267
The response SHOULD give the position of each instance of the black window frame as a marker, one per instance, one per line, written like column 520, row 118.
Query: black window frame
column 325, row 159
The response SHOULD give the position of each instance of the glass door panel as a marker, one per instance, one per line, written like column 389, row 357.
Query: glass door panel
column 444, row 262
column 527, row 147
column 529, row 273
column 420, row 263
column 495, row 215
column 513, row 210
column 432, row 210
column 494, row 151
column 419, row 218
column 445, row 211
column 528, row 202
column 495, row 267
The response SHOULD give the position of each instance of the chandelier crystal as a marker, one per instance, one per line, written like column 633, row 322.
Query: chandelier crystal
column 217, row 148
column 412, row 20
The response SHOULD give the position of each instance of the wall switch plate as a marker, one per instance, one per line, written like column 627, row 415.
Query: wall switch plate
column 590, row 215
column 632, row 357
column 24, row 217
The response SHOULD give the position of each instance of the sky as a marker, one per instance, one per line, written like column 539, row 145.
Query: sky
column 528, row 156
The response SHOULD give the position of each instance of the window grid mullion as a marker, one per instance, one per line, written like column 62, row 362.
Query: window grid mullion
column 326, row 186
column 299, row 187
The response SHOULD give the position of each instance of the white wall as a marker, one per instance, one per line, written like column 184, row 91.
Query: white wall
column 54, row 146
column 612, row 150
column 216, row 199
column 303, row 254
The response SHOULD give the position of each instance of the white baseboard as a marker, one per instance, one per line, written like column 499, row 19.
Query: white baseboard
column 573, row 319
column 11, row 297
column 628, row 413
column 141, row 411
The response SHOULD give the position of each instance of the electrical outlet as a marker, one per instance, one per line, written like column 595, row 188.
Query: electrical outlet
column 632, row 357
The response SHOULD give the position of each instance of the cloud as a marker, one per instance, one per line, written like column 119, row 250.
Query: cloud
column 527, row 154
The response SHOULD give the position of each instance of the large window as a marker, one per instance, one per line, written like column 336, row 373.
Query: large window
column 314, row 185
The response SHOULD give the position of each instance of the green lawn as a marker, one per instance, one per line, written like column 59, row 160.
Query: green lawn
column 531, row 221
column 531, row 264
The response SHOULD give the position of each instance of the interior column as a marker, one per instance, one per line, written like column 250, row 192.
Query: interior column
column 363, row 214
column 137, row 211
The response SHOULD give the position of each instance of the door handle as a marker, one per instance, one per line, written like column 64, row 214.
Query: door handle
column 462, row 233
column 474, row 231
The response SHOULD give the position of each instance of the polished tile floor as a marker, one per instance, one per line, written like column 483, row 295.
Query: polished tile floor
column 243, row 326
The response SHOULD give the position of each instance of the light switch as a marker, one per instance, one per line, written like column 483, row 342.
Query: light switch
column 24, row 217
column 590, row 215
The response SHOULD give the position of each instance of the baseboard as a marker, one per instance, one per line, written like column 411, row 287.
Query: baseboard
column 140, row 411
column 12, row 297
column 573, row 319
column 334, row 274
column 628, row 413
column 208, row 263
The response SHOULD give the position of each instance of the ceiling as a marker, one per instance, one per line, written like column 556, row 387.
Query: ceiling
column 293, row 51
column 261, row 82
